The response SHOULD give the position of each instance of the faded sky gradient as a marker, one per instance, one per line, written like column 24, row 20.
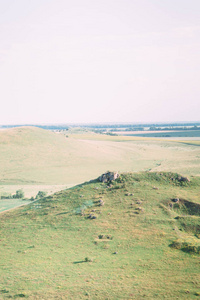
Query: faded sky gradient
column 90, row 61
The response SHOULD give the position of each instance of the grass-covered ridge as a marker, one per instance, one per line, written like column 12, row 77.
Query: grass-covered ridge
column 104, row 241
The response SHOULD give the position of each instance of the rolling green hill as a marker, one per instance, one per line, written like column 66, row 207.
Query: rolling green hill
column 135, row 238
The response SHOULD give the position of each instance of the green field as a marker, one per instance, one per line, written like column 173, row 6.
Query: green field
column 139, row 244
column 7, row 204
column 29, row 192
column 53, row 249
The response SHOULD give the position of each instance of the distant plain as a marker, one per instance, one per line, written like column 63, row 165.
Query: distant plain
column 35, row 159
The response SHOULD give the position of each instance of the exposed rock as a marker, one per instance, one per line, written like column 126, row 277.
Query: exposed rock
column 129, row 194
column 101, row 203
column 139, row 208
column 139, row 202
column 92, row 217
column 183, row 179
column 176, row 200
column 109, row 176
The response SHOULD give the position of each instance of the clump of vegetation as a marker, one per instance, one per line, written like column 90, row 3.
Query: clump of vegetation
column 105, row 236
column 41, row 194
column 87, row 259
column 155, row 177
column 6, row 196
column 187, row 207
column 19, row 194
column 185, row 246
column 189, row 223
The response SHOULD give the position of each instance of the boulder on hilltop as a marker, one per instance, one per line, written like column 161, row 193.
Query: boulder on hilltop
column 109, row 176
column 183, row 179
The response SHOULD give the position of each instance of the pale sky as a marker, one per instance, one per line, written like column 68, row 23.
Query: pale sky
column 90, row 61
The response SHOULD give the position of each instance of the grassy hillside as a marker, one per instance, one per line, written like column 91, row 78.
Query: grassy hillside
column 33, row 156
column 129, row 240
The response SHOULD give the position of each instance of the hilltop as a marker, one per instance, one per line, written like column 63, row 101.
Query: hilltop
column 135, row 237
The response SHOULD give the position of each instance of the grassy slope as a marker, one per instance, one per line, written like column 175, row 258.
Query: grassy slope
column 44, row 245
column 36, row 156
column 140, row 154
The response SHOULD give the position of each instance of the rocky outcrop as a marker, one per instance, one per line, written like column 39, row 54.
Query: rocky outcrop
column 109, row 176
column 183, row 179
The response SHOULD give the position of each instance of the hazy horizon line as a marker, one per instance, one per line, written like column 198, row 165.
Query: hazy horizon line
column 98, row 123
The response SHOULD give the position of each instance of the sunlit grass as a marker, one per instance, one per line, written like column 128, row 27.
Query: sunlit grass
column 51, row 249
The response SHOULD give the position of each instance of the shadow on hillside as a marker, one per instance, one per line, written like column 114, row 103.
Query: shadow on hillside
column 187, row 207
column 79, row 262
column 63, row 213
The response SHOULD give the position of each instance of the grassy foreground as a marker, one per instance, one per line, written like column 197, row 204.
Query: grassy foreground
column 127, row 240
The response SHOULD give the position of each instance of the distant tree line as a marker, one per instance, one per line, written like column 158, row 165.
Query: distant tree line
column 152, row 128
column 115, row 126
column 19, row 194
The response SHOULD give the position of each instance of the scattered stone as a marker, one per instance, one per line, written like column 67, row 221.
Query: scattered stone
column 176, row 200
column 129, row 194
column 102, row 236
column 139, row 208
column 115, row 253
column 155, row 188
column 139, row 202
column 101, row 203
column 92, row 217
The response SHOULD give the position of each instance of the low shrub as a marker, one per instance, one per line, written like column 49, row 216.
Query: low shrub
column 185, row 246
column 87, row 259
